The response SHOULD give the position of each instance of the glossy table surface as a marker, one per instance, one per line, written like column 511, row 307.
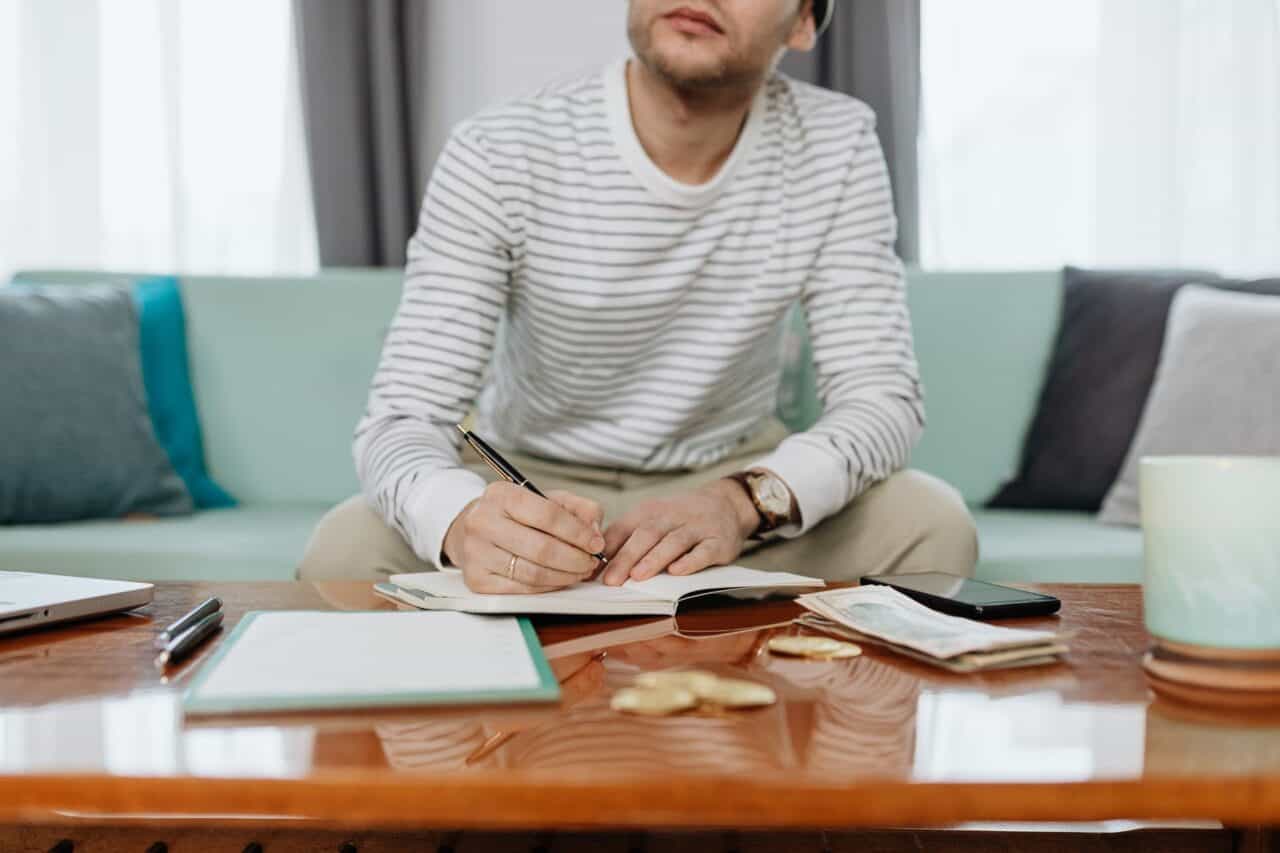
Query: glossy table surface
column 89, row 729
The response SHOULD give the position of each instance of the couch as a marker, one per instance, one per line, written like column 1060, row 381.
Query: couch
column 280, row 368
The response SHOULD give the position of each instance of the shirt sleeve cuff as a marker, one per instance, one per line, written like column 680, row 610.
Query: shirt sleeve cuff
column 433, row 504
column 812, row 477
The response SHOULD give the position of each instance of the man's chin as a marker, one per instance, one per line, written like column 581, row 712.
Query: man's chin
column 691, row 69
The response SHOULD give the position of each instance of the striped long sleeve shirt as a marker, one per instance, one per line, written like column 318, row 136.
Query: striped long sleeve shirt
column 640, row 315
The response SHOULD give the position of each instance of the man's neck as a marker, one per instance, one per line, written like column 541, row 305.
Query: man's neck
column 687, row 134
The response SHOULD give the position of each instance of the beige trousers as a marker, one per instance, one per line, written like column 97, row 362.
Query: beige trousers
column 911, row 522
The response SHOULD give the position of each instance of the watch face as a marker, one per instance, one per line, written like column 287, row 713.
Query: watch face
column 773, row 494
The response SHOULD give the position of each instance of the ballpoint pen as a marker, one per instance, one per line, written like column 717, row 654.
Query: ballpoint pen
column 189, row 640
column 203, row 609
column 506, row 470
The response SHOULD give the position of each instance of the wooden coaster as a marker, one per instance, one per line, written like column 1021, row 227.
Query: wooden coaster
column 1225, row 678
column 1218, row 653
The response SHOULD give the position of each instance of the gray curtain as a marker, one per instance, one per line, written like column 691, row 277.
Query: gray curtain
column 362, row 95
column 872, row 51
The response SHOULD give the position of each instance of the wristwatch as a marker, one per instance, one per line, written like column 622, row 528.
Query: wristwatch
column 771, row 497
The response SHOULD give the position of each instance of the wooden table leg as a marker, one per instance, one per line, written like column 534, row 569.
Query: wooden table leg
column 1257, row 839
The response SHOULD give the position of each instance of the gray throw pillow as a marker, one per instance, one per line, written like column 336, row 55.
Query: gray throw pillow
column 76, row 439
column 1103, row 363
column 1216, row 390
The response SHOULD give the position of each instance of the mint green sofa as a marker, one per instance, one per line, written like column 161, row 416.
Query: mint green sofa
column 281, row 366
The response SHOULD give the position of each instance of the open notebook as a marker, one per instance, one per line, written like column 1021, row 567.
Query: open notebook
column 658, row 596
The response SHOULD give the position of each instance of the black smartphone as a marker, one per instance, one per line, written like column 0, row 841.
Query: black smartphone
column 969, row 598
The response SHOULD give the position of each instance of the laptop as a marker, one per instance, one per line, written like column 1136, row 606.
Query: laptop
column 29, row 600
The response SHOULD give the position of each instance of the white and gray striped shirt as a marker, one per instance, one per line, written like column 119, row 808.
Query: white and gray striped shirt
column 641, row 314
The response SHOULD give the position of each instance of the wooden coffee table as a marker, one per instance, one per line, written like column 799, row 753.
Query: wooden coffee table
column 93, row 744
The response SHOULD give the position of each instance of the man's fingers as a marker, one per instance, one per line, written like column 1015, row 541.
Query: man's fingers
column 617, row 534
column 632, row 552
column 491, row 584
column 674, row 545
column 541, row 514
column 702, row 556
column 528, row 577
column 568, row 563
column 590, row 512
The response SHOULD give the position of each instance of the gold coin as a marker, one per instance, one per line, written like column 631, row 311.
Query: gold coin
column 814, row 648
column 653, row 701
column 734, row 693
column 693, row 680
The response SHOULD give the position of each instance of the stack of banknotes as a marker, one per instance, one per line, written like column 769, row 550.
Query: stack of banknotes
column 883, row 616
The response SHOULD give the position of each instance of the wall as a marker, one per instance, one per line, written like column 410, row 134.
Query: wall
column 484, row 52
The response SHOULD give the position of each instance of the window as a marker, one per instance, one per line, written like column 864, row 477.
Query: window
column 152, row 136
column 1101, row 132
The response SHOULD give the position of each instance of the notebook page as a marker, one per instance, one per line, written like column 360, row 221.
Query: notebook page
column 664, row 587
column 672, row 587
column 286, row 655
column 449, row 584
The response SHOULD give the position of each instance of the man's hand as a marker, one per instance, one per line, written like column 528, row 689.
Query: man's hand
column 553, row 538
column 680, row 535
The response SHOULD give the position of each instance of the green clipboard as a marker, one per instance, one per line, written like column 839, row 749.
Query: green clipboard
column 546, row 690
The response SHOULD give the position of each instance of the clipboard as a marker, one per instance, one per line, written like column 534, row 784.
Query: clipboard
column 299, row 660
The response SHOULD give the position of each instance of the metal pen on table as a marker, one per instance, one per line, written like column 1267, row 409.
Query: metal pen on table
column 201, row 610
column 189, row 640
column 506, row 470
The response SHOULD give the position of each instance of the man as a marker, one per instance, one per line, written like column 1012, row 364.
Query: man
column 641, row 232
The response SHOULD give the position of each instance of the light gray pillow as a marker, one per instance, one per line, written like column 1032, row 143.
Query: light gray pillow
column 76, row 439
column 1216, row 391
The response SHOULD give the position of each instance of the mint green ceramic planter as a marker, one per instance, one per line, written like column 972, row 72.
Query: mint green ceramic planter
column 1211, row 528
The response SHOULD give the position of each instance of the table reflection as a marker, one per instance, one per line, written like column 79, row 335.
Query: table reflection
column 143, row 735
column 878, row 715
column 871, row 716
column 1187, row 741
column 864, row 720
column 966, row 735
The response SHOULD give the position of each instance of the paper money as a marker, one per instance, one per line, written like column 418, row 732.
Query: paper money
column 888, row 615
column 1036, row 655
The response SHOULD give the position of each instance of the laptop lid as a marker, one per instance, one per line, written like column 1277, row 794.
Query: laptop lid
column 28, row 599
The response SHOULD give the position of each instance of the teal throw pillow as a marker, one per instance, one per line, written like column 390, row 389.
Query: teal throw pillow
column 162, row 337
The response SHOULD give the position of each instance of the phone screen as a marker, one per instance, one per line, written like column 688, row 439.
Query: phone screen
column 959, row 589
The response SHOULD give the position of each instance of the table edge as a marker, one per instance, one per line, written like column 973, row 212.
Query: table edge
column 540, row 801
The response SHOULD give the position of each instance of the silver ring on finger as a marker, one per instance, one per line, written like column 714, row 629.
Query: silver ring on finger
column 511, row 567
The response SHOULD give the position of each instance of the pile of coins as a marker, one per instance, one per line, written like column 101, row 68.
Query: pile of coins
column 659, row 694
column 812, row 648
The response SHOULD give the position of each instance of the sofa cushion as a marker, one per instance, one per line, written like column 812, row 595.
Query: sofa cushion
column 76, row 438
column 242, row 543
column 1215, row 390
column 1046, row 546
column 1104, row 358
column 280, row 368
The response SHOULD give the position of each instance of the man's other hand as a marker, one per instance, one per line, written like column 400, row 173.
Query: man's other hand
column 680, row 535
column 553, row 539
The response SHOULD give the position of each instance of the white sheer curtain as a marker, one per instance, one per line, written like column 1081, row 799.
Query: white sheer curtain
column 152, row 135
column 1101, row 132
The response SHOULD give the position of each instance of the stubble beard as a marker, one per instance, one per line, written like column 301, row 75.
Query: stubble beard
column 730, row 74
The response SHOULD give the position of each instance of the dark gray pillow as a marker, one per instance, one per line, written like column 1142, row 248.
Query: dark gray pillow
column 76, row 439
